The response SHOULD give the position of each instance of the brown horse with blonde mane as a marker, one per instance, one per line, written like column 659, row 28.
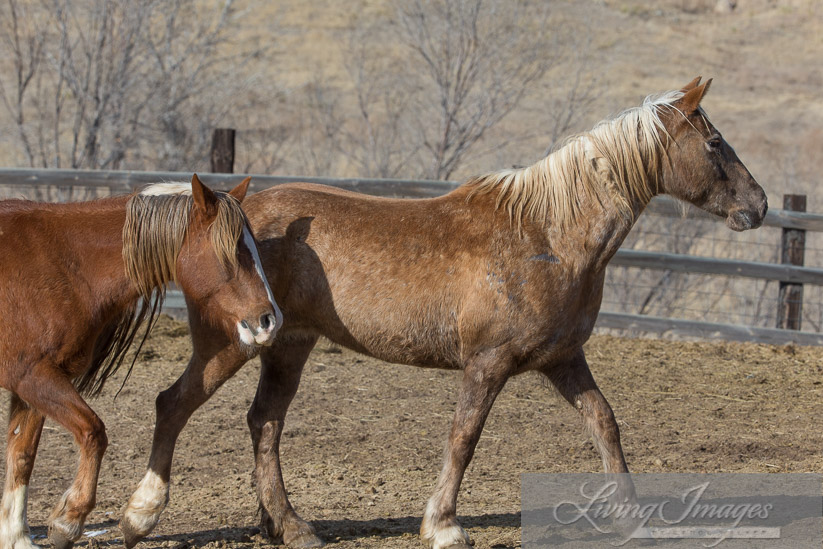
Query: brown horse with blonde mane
column 71, row 281
column 501, row 276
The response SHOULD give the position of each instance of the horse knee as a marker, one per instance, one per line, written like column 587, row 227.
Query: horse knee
column 23, row 464
column 94, row 438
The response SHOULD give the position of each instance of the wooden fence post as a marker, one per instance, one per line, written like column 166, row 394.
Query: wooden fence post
column 790, row 300
column 222, row 150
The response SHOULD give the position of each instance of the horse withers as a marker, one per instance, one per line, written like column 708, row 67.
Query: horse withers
column 71, row 281
column 501, row 276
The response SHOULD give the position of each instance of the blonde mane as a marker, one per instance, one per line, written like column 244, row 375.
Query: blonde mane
column 157, row 219
column 620, row 159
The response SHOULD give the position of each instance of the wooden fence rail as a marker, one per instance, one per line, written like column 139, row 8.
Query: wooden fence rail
column 118, row 182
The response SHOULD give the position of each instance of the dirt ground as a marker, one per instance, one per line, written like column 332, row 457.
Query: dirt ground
column 364, row 439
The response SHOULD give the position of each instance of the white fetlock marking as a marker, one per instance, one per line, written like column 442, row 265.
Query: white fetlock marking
column 70, row 530
column 147, row 503
column 14, row 532
column 443, row 536
column 448, row 536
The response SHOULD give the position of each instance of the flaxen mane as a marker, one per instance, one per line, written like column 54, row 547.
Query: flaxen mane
column 156, row 222
column 619, row 160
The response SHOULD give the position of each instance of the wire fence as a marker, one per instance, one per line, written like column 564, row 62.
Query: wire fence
column 703, row 297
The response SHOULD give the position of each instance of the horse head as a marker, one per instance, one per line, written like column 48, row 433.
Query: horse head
column 703, row 168
column 220, row 271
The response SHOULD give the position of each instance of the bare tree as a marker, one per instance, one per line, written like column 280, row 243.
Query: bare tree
column 23, row 39
column 430, row 83
column 476, row 60
column 106, row 84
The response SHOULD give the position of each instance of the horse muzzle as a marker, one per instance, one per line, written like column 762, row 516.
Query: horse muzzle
column 264, row 332
column 743, row 220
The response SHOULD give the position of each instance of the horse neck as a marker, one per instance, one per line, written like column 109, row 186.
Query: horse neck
column 600, row 230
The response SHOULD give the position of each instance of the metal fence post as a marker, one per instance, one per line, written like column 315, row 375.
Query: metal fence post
column 222, row 150
column 793, row 245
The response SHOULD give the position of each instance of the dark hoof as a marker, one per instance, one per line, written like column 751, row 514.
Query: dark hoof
column 59, row 540
column 305, row 541
column 130, row 537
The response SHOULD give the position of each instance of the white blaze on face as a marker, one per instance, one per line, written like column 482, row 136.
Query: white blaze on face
column 248, row 240
column 261, row 337
column 246, row 335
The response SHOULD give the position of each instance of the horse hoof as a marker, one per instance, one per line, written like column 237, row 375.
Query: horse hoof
column 306, row 540
column 130, row 536
column 59, row 540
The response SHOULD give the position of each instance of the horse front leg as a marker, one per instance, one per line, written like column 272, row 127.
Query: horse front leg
column 214, row 360
column 25, row 426
column 574, row 381
column 282, row 367
column 484, row 377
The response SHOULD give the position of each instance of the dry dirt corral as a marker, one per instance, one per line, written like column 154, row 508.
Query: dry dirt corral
column 363, row 441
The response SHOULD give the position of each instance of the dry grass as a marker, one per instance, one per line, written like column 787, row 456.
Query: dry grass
column 364, row 439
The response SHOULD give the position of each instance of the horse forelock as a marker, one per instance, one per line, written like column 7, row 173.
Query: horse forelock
column 620, row 158
column 157, row 220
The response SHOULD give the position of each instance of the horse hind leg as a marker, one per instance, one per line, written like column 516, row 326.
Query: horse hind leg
column 282, row 366
column 25, row 426
column 52, row 394
column 483, row 379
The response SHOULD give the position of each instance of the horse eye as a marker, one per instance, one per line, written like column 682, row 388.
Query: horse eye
column 714, row 142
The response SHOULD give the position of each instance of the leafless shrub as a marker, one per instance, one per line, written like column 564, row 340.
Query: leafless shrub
column 429, row 83
column 108, row 84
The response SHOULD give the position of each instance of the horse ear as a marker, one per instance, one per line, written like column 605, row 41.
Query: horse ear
column 204, row 198
column 691, row 100
column 239, row 192
column 691, row 85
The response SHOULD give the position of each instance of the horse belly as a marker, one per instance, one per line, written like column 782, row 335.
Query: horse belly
column 387, row 328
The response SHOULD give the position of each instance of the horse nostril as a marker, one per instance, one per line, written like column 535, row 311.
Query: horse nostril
column 267, row 321
column 245, row 325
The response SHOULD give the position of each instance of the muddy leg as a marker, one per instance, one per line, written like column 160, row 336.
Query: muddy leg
column 25, row 426
column 574, row 381
column 279, row 379
column 483, row 379
column 214, row 360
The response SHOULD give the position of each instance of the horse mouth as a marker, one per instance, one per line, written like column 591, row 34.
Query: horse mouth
column 743, row 220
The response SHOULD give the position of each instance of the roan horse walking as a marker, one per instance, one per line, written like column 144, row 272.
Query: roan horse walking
column 501, row 276
column 71, row 277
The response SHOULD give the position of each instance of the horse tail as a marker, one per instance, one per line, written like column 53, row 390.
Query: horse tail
column 114, row 341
